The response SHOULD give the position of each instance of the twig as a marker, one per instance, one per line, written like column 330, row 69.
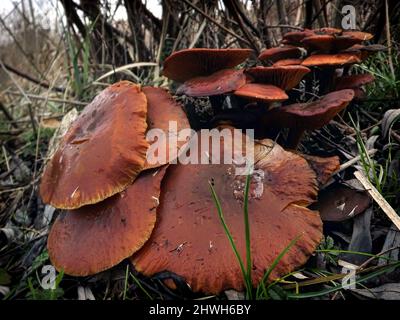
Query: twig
column 388, row 38
column 8, row 115
column 379, row 199
column 36, row 97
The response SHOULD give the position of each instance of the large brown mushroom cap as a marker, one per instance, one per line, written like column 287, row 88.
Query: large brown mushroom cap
column 102, row 152
column 334, row 60
column 279, row 53
column 295, row 37
column 261, row 92
column 220, row 82
column 311, row 115
column 328, row 42
column 186, row 64
column 362, row 36
column 189, row 238
column 284, row 77
column 287, row 62
column 162, row 110
column 94, row 238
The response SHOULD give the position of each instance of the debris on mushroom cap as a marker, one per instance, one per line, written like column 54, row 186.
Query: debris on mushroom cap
column 363, row 36
column 324, row 167
column 327, row 42
column 284, row 77
column 353, row 81
column 163, row 110
column 220, row 82
column 310, row 115
column 261, row 92
column 339, row 202
column 189, row 63
column 94, row 238
column 295, row 37
column 287, row 62
column 102, row 152
column 339, row 59
column 279, row 53
column 189, row 238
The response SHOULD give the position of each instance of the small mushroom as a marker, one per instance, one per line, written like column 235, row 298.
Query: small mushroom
column 279, row 53
column 261, row 92
column 220, row 82
column 339, row 202
column 308, row 116
column 189, row 238
column 186, row 64
column 102, row 152
column 354, row 81
column 284, row 77
column 94, row 238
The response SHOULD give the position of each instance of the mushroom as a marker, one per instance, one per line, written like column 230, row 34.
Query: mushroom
column 354, row 82
column 287, row 62
column 189, row 238
column 295, row 37
column 186, row 64
column 334, row 60
column 220, row 82
column 162, row 112
column 362, row 36
column 324, row 167
column 102, row 152
column 279, row 53
column 284, row 77
column 308, row 116
column 339, row 202
column 327, row 43
column 94, row 238
column 261, row 92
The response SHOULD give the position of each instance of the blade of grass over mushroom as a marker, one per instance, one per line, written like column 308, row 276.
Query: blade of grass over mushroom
column 79, row 241
column 162, row 111
column 220, row 82
column 189, row 239
column 124, row 68
column 186, row 64
column 95, row 160
column 261, row 92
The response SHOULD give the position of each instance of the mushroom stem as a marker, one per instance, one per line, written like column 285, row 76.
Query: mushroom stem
column 294, row 138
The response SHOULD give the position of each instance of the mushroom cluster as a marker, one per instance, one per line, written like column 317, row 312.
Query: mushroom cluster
column 117, row 204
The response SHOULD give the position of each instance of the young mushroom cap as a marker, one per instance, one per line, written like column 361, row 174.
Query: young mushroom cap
column 284, row 77
column 189, row 238
column 163, row 110
column 334, row 60
column 353, row 81
column 279, row 53
column 287, row 62
column 220, row 82
column 102, row 152
column 186, row 64
column 94, row 238
column 324, row 167
column 261, row 92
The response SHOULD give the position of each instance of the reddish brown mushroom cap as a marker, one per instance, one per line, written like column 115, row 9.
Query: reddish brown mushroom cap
column 339, row 202
column 163, row 110
column 220, row 82
column 324, row 167
column 189, row 238
column 334, row 60
column 353, row 81
column 362, row 36
column 327, row 42
column 311, row 115
column 102, row 152
column 94, row 238
column 279, row 53
column 190, row 63
column 261, row 92
column 284, row 77
column 295, row 37
column 287, row 62
column 328, row 30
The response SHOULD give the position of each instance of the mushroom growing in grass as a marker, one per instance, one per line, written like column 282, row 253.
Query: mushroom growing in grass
column 189, row 238
column 308, row 116
column 355, row 82
column 102, row 152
